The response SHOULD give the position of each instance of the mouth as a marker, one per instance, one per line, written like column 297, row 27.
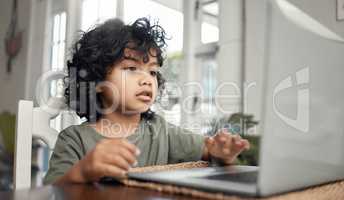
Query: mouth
column 145, row 95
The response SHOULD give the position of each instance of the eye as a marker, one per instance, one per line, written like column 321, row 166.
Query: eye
column 153, row 73
column 131, row 68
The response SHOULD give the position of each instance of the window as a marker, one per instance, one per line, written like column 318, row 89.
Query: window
column 58, row 58
column 209, row 28
column 207, row 63
column 210, row 33
column 169, row 105
column 59, row 41
column 208, row 106
column 97, row 11
column 58, row 47
column 209, row 77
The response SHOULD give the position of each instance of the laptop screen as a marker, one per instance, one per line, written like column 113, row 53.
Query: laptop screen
column 303, row 114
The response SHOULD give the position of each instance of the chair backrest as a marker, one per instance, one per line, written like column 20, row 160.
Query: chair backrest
column 35, row 122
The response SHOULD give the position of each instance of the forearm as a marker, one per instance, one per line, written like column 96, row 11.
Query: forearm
column 73, row 175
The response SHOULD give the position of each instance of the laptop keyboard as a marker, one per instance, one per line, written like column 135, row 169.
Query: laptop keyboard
column 241, row 177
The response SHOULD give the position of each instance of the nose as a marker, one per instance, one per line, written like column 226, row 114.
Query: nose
column 145, row 80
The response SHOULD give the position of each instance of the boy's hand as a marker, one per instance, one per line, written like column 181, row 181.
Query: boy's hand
column 110, row 157
column 225, row 146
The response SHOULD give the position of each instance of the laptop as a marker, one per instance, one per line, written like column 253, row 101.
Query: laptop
column 303, row 77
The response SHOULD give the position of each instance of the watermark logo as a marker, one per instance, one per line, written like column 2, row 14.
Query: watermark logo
column 227, row 93
column 301, row 122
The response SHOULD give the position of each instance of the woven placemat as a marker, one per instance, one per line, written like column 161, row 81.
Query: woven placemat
column 328, row 191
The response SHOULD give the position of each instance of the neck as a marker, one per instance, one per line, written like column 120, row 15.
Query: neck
column 118, row 124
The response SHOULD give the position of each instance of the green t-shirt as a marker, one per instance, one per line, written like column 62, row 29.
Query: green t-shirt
column 159, row 142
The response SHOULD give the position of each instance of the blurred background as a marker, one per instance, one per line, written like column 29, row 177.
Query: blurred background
column 213, row 42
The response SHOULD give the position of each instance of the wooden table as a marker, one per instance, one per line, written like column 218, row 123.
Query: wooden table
column 117, row 191
column 85, row 192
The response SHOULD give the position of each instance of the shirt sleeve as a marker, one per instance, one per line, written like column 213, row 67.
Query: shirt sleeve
column 184, row 146
column 67, row 152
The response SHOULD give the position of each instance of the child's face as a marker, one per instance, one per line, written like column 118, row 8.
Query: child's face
column 132, row 84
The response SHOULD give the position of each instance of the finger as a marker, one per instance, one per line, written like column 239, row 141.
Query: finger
column 220, row 138
column 131, row 147
column 223, row 139
column 113, row 171
column 234, row 144
column 227, row 146
column 239, row 151
column 246, row 144
column 209, row 141
column 128, row 156
column 119, row 161
column 237, row 140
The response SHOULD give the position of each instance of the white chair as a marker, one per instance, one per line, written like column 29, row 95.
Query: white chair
column 35, row 122
column 31, row 121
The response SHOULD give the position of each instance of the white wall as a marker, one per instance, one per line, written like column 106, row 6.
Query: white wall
column 254, row 53
column 229, row 57
column 27, row 66
column 38, row 56
column 34, row 57
column 322, row 10
column 12, row 86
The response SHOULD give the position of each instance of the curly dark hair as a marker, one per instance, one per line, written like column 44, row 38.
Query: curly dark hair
column 94, row 54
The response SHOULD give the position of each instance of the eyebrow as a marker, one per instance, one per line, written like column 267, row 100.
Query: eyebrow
column 153, row 64
column 131, row 58
column 138, row 60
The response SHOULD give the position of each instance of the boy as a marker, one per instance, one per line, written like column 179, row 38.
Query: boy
column 113, row 80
